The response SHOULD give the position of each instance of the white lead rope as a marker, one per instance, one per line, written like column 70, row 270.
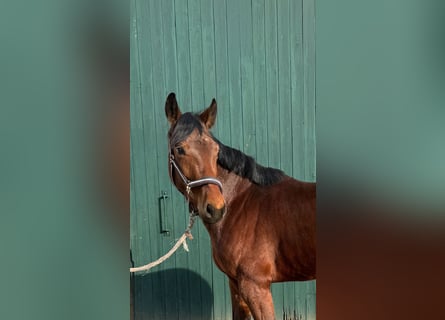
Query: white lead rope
column 187, row 234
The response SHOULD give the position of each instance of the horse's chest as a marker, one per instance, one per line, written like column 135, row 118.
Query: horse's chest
column 233, row 240
column 226, row 255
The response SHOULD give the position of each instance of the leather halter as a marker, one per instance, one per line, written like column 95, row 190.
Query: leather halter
column 189, row 184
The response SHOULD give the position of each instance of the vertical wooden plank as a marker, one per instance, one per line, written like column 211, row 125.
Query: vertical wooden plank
column 301, row 305
column 147, row 118
column 259, row 75
column 311, row 300
column 157, row 49
column 184, row 94
column 284, row 85
column 273, row 122
column 233, row 40
column 171, row 85
column 222, row 72
column 289, row 296
column 138, row 120
column 194, row 12
column 297, row 77
column 311, row 307
column 278, row 292
column 169, row 45
column 166, row 55
column 246, row 72
column 139, row 207
column 309, row 85
column 208, row 52
column 168, row 35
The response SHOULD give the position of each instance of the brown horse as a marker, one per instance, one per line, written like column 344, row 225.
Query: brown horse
column 261, row 222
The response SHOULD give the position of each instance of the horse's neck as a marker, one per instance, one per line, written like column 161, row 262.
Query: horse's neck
column 233, row 184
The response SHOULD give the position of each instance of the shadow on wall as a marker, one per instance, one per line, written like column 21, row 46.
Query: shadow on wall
column 171, row 294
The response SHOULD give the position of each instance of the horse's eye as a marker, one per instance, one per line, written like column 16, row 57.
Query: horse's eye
column 180, row 150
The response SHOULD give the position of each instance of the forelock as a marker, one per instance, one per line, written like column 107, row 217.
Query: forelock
column 185, row 125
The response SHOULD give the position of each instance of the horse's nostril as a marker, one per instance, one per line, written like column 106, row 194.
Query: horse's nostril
column 212, row 214
column 210, row 209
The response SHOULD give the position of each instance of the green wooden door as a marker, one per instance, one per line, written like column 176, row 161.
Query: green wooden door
column 257, row 58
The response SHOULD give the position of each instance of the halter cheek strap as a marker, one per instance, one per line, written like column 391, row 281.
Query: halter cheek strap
column 189, row 184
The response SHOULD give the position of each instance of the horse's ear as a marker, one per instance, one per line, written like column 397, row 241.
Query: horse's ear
column 172, row 109
column 208, row 116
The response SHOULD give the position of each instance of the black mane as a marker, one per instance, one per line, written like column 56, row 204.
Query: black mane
column 229, row 158
column 245, row 166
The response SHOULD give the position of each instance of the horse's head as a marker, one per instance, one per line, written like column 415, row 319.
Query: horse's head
column 193, row 159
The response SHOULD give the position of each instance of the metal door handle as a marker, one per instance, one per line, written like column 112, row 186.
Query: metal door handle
column 163, row 214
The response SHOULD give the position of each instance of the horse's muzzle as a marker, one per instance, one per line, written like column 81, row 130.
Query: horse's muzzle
column 212, row 214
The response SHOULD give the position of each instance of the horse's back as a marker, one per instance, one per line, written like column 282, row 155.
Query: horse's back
column 288, row 218
column 288, row 200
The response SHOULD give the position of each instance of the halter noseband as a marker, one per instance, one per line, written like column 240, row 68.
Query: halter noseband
column 189, row 184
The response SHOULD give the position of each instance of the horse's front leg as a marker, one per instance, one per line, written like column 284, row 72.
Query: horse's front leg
column 258, row 297
column 240, row 310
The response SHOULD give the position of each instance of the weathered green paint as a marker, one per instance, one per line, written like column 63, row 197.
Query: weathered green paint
column 257, row 58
